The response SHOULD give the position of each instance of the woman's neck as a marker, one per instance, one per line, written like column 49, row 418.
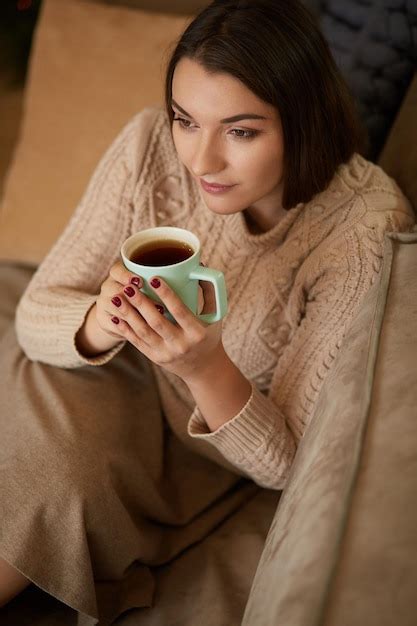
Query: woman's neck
column 259, row 222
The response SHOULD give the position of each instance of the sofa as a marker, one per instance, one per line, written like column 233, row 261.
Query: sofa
column 337, row 547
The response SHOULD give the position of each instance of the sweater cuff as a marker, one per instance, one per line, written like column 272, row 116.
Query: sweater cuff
column 243, row 435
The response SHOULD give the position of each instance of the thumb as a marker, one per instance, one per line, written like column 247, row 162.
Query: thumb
column 209, row 297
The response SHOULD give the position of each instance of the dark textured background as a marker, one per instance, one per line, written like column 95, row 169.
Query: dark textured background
column 374, row 43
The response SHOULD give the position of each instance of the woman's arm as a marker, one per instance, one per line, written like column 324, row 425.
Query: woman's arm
column 220, row 390
column 261, row 438
column 66, row 284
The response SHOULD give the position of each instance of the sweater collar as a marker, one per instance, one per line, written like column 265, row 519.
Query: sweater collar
column 238, row 230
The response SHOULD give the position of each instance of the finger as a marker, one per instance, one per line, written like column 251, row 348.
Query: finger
column 123, row 276
column 125, row 306
column 152, row 313
column 200, row 305
column 179, row 311
column 209, row 296
column 110, row 287
column 109, row 323
column 127, row 333
column 112, row 325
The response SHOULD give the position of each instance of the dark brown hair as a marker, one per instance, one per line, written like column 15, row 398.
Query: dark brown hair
column 277, row 50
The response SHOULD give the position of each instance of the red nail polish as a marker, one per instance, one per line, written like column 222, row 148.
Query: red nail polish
column 160, row 308
column 115, row 320
column 129, row 291
column 116, row 301
column 136, row 281
column 155, row 282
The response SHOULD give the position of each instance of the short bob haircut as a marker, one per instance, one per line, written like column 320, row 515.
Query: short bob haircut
column 277, row 50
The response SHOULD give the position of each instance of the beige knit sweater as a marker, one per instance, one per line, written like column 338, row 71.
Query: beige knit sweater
column 293, row 290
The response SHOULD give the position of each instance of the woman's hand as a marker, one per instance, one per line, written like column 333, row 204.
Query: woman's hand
column 190, row 349
column 98, row 333
column 186, row 349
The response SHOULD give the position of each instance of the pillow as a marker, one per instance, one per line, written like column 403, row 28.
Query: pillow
column 92, row 67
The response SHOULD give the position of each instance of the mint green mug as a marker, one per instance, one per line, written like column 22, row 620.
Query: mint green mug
column 182, row 276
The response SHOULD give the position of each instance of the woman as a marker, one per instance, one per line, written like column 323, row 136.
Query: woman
column 258, row 154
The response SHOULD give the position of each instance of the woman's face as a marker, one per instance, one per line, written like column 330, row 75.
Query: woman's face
column 245, row 153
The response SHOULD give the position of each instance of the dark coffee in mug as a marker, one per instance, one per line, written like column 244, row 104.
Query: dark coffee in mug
column 162, row 252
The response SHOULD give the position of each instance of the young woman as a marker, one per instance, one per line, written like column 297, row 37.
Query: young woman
column 108, row 471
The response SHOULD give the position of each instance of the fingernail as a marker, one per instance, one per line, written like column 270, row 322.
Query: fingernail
column 136, row 281
column 116, row 301
column 155, row 282
column 129, row 291
column 115, row 320
column 160, row 308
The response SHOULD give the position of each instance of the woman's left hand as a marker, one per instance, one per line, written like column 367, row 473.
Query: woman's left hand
column 186, row 348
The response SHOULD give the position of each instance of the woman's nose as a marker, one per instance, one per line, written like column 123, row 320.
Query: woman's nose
column 207, row 158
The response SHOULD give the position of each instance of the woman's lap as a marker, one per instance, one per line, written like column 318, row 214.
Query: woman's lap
column 91, row 476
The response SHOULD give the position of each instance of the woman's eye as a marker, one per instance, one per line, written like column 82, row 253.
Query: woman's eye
column 182, row 122
column 239, row 133
column 244, row 134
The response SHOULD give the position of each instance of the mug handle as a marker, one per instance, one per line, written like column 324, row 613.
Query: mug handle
column 217, row 279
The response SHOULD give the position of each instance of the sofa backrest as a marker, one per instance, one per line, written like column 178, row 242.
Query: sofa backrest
column 180, row 7
column 399, row 155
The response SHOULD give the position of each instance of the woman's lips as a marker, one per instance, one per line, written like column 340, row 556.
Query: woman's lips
column 214, row 188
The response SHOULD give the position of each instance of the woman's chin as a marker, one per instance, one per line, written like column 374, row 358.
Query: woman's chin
column 223, row 210
column 221, row 206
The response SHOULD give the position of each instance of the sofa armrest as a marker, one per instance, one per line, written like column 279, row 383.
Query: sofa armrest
column 341, row 548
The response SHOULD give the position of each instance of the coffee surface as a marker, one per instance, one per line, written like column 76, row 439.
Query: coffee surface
column 163, row 252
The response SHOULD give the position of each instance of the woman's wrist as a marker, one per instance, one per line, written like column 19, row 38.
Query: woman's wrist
column 92, row 340
column 220, row 390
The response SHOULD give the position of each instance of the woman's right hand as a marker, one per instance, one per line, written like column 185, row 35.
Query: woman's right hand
column 98, row 333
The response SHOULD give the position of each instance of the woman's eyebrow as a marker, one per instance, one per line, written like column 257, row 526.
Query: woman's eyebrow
column 226, row 120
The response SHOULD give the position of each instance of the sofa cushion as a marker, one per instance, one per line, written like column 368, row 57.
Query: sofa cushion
column 92, row 67
column 342, row 545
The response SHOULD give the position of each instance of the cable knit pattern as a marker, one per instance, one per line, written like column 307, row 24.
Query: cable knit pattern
column 293, row 290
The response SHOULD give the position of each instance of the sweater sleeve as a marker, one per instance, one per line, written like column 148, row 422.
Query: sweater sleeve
column 67, row 282
column 261, row 440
